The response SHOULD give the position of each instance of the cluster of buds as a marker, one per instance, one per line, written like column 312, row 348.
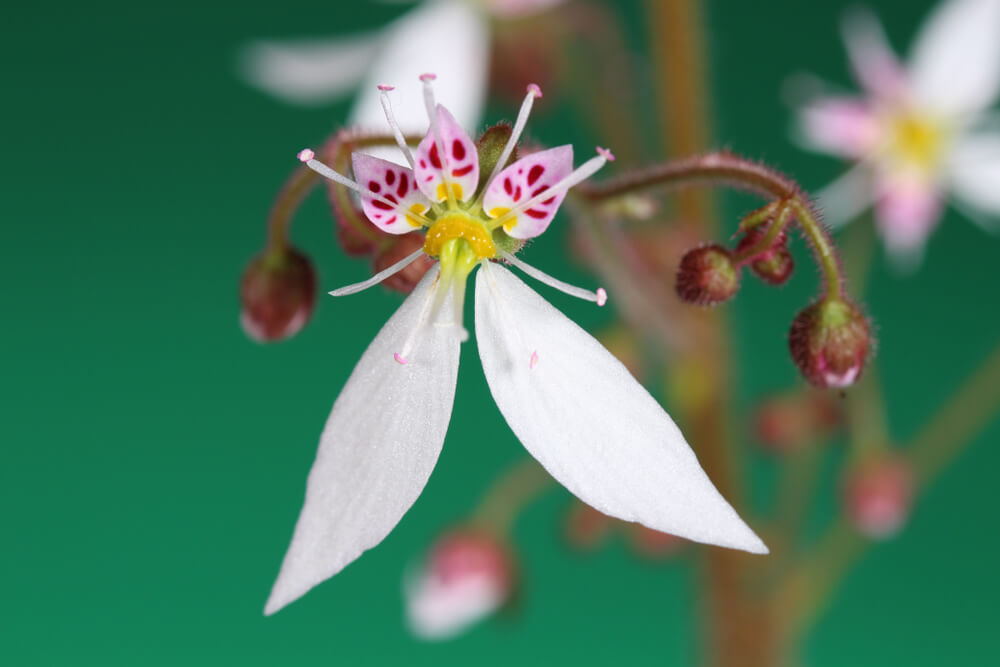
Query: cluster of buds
column 830, row 339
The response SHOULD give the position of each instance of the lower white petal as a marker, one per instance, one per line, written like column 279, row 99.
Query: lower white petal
column 589, row 423
column 846, row 197
column 377, row 451
column 308, row 71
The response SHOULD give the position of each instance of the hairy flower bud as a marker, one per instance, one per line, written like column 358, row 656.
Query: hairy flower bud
column 878, row 495
column 774, row 265
column 399, row 248
column 707, row 275
column 467, row 576
column 277, row 292
column 829, row 342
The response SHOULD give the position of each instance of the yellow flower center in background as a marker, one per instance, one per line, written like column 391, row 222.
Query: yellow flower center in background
column 916, row 141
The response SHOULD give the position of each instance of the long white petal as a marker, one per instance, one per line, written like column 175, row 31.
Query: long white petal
column 974, row 175
column 955, row 63
column 377, row 450
column 589, row 423
column 847, row 196
column 308, row 72
column 449, row 38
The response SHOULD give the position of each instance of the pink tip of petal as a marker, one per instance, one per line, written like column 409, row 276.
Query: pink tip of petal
column 606, row 154
column 602, row 296
column 384, row 87
column 399, row 359
column 306, row 154
column 535, row 89
column 534, row 359
column 429, row 76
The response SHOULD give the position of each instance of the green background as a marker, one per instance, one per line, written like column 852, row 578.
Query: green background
column 153, row 459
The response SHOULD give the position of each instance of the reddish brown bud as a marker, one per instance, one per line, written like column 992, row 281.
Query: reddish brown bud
column 774, row 265
column 399, row 248
column 787, row 423
column 653, row 544
column 277, row 291
column 829, row 342
column 586, row 528
column 878, row 496
column 707, row 275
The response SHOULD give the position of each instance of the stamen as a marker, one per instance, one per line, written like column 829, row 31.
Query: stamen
column 401, row 357
column 308, row 157
column 431, row 106
column 391, row 119
column 582, row 173
column 534, row 359
column 600, row 297
column 515, row 135
column 378, row 277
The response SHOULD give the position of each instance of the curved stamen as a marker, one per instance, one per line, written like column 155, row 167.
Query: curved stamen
column 402, row 357
column 393, row 125
column 308, row 157
column 378, row 277
column 431, row 106
column 600, row 297
column 522, row 119
column 581, row 173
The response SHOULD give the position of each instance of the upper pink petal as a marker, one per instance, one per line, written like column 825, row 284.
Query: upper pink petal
column 457, row 164
column 873, row 62
column 394, row 182
column 529, row 177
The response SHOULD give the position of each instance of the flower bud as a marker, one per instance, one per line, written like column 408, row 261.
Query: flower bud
column 707, row 275
column 277, row 292
column 399, row 248
column 774, row 265
column 653, row 544
column 586, row 528
column 467, row 576
column 878, row 495
column 788, row 423
column 829, row 342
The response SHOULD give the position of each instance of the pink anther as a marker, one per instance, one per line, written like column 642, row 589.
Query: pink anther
column 606, row 154
column 399, row 359
column 534, row 89
column 534, row 359
column 602, row 296
column 306, row 154
column 429, row 76
column 385, row 88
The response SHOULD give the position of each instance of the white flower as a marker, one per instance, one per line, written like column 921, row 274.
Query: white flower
column 919, row 132
column 567, row 399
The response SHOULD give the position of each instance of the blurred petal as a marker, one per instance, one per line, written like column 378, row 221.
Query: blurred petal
column 396, row 184
column 907, row 209
column 526, row 178
column 876, row 67
column 309, row 72
column 840, row 126
column 449, row 38
column 974, row 174
column 457, row 167
column 955, row 63
column 589, row 423
column 515, row 8
column 847, row 197
column 377, row 450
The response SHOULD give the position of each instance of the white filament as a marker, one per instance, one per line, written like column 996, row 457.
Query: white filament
column 391, row 119
column 515, row 135
column 378, row 277
column 582, row 173
column 326, row 171
column 599, row 297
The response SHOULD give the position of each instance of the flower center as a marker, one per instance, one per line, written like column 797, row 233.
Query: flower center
column 916, row 140
column 455, row 226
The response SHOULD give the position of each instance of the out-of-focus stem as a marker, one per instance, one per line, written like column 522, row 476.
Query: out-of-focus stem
column 509, row 494
column 289, row 198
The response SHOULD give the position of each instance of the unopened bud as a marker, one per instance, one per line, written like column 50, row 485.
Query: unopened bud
column 788, row 423
column 653, row 544
column 775, row 264
column 829, row 342
column 399, row 248
column 586, row 528
column 707, row 275
column 878, row 496
column 467, row 576
column 277, row 292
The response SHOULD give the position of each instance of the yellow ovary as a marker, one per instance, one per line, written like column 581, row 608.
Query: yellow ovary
column 460, row 226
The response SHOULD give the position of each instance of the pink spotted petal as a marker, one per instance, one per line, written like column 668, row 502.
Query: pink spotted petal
column 458, row 165
column 526, row 178
column 396, row 184
column 841, row 126
column 907, row 210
